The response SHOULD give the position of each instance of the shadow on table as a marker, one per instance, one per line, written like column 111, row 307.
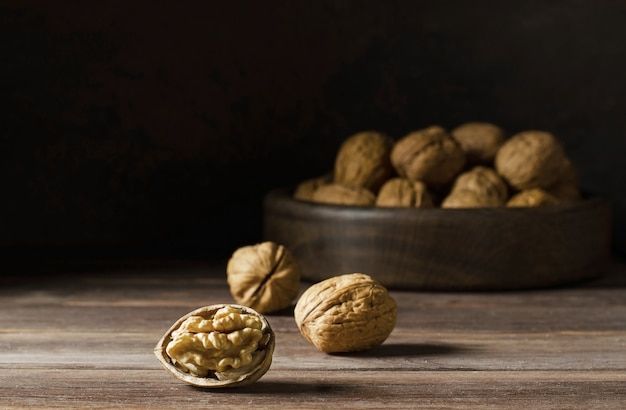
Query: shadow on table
column 410, row 349
column 334, row 389
column 290, row 388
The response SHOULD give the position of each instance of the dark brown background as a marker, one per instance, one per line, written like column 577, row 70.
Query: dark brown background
column 155, row 128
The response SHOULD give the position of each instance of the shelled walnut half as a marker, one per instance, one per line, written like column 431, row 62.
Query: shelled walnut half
column 218, row 346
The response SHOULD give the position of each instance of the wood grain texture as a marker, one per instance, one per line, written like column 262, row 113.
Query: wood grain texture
column 85, row 340
column 444, row 249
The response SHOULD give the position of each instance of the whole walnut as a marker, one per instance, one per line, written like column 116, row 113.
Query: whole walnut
column 305, row 189
column 363, row 160
column 401, row 192
column 264, row 277
column 469, row 199
column 566, row 189
column 338, row 194
column 346, row 313
column 429, row 155
column 480, row 141
column 530, row 159
column 565, row 192
column 534, row 197
column 485, row 182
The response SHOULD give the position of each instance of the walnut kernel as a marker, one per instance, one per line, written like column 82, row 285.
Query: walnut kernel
column 218, row 346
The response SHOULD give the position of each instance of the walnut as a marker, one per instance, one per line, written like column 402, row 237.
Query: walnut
column 480, row 141
column 530, row 159
column 534, row 197
column 401, row 192
column 339, row 194
column 363, row 160
column 265, row 277
column 218, row 346
column 565, row 192
column 566, row 189
column 468, row 199
column 429, row 155
column 346, row 313
column 489, row 187
column 305, row 189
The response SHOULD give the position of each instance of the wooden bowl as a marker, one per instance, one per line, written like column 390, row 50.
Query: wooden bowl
column 444, row 249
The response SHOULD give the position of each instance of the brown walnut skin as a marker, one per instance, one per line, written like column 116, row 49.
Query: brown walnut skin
column 338, row 194
column 566, row 189
column 469, row 199
column 403, row 193
column 532, row 198
column 480, row 141
column 485, row 182
column 565, row 192
column 429, row 155
column 304, row 190
column 363, row 160
column 265, row 277
column 531, row 159
column 346, row 313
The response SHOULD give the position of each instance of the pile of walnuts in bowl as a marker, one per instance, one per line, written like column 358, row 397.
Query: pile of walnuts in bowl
column 474, row 165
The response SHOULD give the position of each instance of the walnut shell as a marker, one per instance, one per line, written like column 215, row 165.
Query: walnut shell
column 480, row 141
column 566, row 189
column 429, row 155
column 565, row 192
column 530, row 159
column 363, row 160
column 338, row 194
column 534, row 197
column 218, row 346
column 265, row 277
column 401, row 192
column 469, row 199
column 305, row 189
column 346, row 313
column 485, row 182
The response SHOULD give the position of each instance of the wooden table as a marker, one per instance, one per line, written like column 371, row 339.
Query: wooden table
column 83, row 338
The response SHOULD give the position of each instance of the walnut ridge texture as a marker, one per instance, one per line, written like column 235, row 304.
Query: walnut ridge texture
column 346, row 313
column 265, row 276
